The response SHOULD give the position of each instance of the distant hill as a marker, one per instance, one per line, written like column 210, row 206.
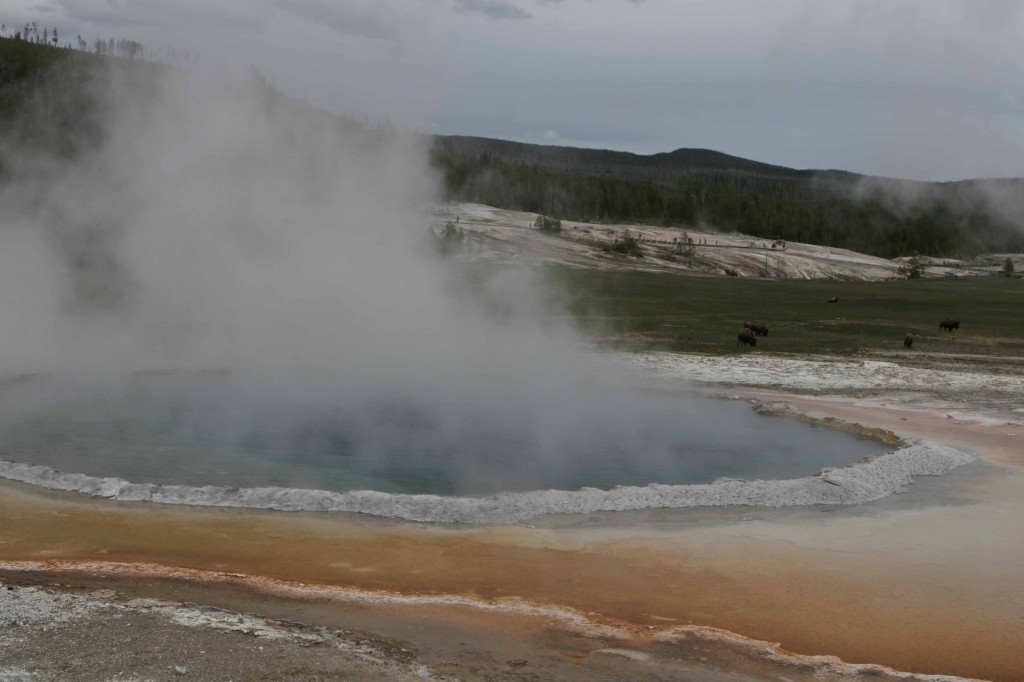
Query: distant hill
column 575, row 157
column 881, row 216
column 55, row 110
column 50, row 102
column 55, row 100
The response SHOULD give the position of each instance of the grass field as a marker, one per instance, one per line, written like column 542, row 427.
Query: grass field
column 639, row 310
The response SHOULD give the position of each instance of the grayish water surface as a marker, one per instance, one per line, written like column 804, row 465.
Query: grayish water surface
column 323, row 433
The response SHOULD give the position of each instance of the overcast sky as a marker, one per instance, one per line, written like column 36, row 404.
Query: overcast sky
column 927, row 89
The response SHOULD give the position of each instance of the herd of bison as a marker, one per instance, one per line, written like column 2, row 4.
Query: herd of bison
column 754, row 328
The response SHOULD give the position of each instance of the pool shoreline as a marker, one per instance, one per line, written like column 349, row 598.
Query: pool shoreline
column 857, row 483
column 190, row 433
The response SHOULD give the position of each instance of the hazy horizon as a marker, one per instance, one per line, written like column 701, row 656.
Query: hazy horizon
column 914, row 90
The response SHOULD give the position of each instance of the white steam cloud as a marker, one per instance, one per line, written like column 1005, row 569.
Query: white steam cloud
column 210, row 224
column 217, row 225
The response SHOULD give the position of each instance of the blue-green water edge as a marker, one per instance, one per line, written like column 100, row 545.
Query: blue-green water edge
column 223, row 430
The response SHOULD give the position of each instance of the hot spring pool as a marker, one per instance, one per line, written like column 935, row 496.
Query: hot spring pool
column 248, row 432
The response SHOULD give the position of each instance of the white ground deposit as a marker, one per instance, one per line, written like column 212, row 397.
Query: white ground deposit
column 829, row 375
column 498, row 234
column 855, row 484
column 30, row 615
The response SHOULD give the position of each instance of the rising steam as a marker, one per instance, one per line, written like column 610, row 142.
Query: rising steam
column 215, row 224
column 205, row 223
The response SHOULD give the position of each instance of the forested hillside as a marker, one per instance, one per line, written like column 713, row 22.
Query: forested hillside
column 51, row 99
column 689, row 186
column 56, row 111
column 56, row 101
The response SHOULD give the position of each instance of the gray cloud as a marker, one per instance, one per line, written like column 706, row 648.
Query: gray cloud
column 368, row 19
column 496, row 9
column 165, row 14
column 920, row 89
column 558, row 2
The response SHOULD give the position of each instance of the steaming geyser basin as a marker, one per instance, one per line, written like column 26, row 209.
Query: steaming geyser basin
column 476, row 454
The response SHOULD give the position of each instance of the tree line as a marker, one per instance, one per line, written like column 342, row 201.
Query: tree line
column 703, row 187
column 131, row 49
column 684, row 188
column 105, row 47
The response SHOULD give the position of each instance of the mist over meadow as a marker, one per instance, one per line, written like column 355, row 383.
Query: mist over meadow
column 209, row 224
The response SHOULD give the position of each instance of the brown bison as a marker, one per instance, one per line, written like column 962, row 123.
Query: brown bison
column 949, row 324
column 908, row 340
column 746, row 337
column 758, row 327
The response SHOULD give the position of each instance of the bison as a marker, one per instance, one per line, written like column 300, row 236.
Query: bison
column 758, row 327
column 949, row 324
column 908, row 340
column 746, row 337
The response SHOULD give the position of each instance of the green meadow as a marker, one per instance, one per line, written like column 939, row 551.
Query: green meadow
column 651, row 311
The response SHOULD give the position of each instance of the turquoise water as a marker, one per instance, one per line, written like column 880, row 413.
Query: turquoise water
column 336, row 435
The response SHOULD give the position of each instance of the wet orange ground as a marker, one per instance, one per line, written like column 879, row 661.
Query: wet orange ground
column 934, row 587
